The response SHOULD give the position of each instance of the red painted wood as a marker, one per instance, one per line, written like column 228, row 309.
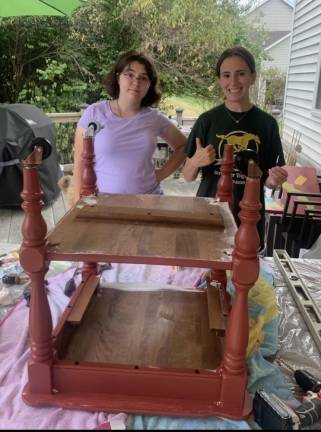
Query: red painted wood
column 89, row 179
column 33, row 260
column 225, row 184
column 245, row 272
column 111, row 387
column 88, row 187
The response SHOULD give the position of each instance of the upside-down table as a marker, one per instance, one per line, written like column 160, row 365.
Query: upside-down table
column 166, row 352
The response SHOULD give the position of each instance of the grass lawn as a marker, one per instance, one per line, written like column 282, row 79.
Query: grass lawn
column 193, row 106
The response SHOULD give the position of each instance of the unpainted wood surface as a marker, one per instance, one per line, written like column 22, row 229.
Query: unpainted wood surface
column 142, row 239
column 201, row 218
column 148, row 328
column 11, row 220
column 83, row 300
column 216, row 318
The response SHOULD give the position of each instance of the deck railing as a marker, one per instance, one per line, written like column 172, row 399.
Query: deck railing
column 66, row 124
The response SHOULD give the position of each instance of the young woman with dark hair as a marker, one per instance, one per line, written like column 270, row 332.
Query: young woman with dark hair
column 125, row 145
column 239, row 122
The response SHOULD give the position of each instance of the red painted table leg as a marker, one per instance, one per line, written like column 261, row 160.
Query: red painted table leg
column 33, row 260
column 245, row 271
column 225, row 184
column 88, row 187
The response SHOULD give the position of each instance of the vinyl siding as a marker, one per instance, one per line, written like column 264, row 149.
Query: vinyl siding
column 279, row 56
column 275, row 14
column 300, row 114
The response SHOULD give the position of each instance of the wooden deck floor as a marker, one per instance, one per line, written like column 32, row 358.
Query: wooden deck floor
column 11, row 220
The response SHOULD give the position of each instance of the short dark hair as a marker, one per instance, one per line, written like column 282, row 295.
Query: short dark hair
column 236, row 51
column 111, row 82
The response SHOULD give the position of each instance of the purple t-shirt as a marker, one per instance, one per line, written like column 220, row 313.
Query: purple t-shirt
column 124, row 149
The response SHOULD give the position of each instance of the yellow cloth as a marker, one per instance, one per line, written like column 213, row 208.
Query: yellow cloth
column 263, row 294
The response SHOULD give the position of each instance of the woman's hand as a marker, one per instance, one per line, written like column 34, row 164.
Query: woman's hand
column 203, row 155
column 277, row 176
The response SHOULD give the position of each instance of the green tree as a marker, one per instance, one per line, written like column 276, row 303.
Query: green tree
column 274, row 87
column 26, row 43
column 98, row 35
column 186, row 37
column 59, row 62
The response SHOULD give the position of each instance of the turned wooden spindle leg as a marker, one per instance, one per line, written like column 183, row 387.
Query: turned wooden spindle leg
column 245, row 271
column 225, row 183
column 88, row 187
column 225, row 194
column 88, row 178
column 33, row 260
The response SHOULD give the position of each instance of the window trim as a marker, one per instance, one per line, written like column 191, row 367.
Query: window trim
column 316, row 107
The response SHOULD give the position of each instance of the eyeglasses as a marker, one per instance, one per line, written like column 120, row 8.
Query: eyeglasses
column 130, row 76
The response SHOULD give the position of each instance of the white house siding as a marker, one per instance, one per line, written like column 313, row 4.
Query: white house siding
column 300, row 115
column 275, row 14
column 279, row 54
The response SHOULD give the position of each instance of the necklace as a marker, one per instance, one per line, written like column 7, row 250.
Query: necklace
column 237, row 121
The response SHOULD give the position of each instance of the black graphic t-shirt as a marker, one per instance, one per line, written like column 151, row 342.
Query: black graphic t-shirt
column 256, row 130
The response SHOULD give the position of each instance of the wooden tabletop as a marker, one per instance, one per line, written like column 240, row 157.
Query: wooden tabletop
column 148, row 229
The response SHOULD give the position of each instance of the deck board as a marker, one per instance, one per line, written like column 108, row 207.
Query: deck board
column 11, row 220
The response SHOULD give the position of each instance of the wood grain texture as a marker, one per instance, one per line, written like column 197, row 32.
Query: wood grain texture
column 141, row 239
column 125, row 214
column 79, row 308
column 152, row 328
column 215, row 313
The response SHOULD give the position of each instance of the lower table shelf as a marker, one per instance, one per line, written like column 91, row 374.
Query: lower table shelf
column 163, row 328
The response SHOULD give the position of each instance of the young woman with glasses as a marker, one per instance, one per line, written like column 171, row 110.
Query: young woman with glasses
column 125, row 145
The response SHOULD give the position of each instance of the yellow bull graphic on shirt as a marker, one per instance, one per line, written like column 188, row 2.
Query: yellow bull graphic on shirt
column 239, row 140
